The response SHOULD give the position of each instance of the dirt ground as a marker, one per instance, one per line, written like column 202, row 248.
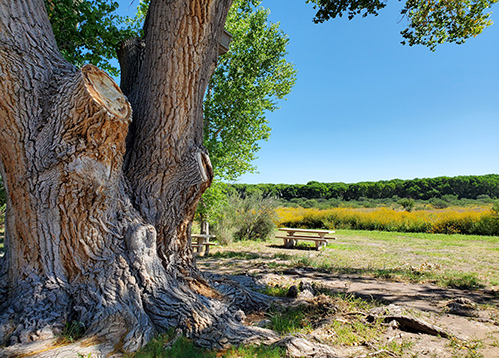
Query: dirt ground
column 471, row 334
column 475, row 333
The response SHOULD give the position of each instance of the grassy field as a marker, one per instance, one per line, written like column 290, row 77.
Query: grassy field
column 465, row 261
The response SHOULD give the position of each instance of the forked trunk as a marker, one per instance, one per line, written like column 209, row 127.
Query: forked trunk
column 98, row 220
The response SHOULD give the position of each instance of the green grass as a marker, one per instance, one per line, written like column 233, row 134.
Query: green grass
column 290, row 320
column 459, row 261
column 182, row 347
column 347, row 320
column 255, row 351
column 443, row 259
column 161, row 347
column 357, row 332
column 72, row 332
column 464, row 281
column 282, row 256
column 276, row 291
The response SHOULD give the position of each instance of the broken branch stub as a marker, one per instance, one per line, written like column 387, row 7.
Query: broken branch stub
column 106, row 92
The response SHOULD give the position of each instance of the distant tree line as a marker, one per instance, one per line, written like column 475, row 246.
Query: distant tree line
column 462, row 187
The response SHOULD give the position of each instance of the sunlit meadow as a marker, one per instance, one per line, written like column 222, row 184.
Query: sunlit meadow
column 472, row 221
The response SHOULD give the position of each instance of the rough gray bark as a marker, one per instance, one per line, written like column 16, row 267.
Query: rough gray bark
column 180, row 53
column 97, row 228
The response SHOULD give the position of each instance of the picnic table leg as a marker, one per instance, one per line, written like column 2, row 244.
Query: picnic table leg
column 320, row 244
column 199, row 246
column 206, row 249
column 289, row 243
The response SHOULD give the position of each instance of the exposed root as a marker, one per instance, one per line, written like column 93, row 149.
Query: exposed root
column 238, row 295
column 407, row 321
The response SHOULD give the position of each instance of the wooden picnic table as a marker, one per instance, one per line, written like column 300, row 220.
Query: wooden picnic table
column 293, row 235
column 202, row 240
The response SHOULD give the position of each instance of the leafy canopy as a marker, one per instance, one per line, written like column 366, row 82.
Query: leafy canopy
column 89, row 31
column 430, row 22
column 248, row 82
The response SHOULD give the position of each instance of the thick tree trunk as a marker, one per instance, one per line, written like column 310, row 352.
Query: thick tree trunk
column 98, row 221
column 166, row 164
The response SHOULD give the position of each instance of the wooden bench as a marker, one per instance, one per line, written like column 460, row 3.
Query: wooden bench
column 294, row 235
column 202, row 240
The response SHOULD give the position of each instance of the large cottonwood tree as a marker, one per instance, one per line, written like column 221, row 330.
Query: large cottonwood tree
column 99, row 201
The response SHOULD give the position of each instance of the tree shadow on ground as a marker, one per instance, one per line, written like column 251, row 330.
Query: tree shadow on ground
column 299, row 246
column 233, row 255
column 368, row 284
column 380, row 284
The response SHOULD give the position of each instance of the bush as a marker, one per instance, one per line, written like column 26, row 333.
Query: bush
column 495, row 207
column 407, row 204
column 488, row 225
column 251, row 218
column 297, row 201
column 484, row 198
column 369, row 204
column 438, row 203
column 333, row 202
column 256, row 227
column 311, row 203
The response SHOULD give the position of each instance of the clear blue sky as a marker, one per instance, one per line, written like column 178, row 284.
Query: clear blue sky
column 366, row 108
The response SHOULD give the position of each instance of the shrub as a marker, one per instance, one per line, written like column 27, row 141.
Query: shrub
column 484, row 198
column 407, row 204
column 251, row 218
column 495, row 207
column 333, row 202
column 488, row 225
column 438, row 203
column 451, row 199
column 297, row 201
column 258, row 226
column 369, row 204
column 311, row 203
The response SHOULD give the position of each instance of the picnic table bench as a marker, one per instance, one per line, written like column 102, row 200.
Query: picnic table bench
column 202, row 240
column 293, row 235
